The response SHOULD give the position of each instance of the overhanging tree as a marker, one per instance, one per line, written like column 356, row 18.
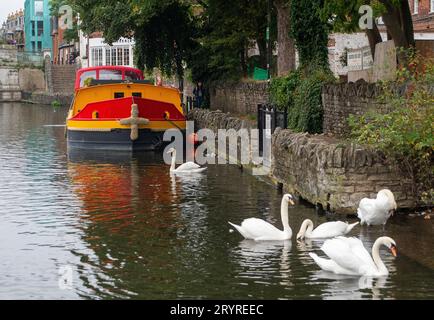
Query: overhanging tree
column 344, row 17
column 162, row 29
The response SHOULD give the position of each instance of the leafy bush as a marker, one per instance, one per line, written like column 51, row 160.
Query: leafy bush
column 300, row 94
column 56, row 104
column 282, row 90
column 405, row 135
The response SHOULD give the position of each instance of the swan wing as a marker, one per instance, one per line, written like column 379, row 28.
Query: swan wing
column 340, row 250
column 360, row 252
column 330, row 230
column 329, row 265
column 241, row 230
column 372, row 211
column 188, row 166
column 365, row 209
column 259, row 228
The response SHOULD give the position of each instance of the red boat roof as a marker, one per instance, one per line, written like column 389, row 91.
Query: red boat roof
column 109, row 68
column 123, row 69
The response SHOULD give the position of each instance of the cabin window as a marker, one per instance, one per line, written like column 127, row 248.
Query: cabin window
column 110, row 75
column 95, row 115
column 137, row 94
column 126, row 56
column 131, row 75
column 119, row 95
column 86, row 75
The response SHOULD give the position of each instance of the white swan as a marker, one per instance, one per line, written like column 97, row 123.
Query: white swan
column 349, row 256
column 260, row 230
column 188, row 167
column 325, row 230
column 377, row 211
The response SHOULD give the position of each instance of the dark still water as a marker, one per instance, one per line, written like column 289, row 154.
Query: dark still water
column 123, row 227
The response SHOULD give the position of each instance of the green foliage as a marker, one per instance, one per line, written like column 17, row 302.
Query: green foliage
column 87, row 82
column 56, row 104
column 163, row 29
column 300, row 94
column 309, row 31
column 306, row 114
column 282, row 90
column 405, row 135
column 69, row 35
column 209, row 37
column 227, row 30
column 344, row 16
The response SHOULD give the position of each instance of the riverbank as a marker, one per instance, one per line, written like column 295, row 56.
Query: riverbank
column 324, row 170
column 46, row 98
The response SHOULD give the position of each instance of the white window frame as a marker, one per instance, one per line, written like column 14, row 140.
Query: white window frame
column 415, row 6
column 431, row 6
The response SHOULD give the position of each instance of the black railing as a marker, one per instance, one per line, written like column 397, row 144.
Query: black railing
column 269, row 117
column 189, row 103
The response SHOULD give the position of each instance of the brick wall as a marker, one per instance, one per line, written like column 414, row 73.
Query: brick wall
column 239, row 98
column 423, row 21
column 426, row 48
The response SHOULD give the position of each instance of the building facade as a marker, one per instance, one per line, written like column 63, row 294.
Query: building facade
column 423, row 24
column 64, row 52
column 13, row 30
column 94, row 51
column 350, row 52
column 37, row 22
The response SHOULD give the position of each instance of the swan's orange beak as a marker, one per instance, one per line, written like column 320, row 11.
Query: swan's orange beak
column 394, row 251
column 292, row 202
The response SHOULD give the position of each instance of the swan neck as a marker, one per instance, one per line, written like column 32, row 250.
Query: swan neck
column 172, row 166
column 284, row 215
column 376, row 256
column 306, row 228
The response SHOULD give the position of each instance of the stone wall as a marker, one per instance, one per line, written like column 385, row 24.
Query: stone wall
column 10, row 95
column 321, row 169
column 46, row 98
column 334, row 173
column 239, row 98
column 9, row 78
column 31, row 79
column 9, row 84
column 8, row 55
column 341, row 100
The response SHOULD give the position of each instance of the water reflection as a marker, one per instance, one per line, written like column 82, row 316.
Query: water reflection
column 262, row 259
column 130, row 229
column 341, row 287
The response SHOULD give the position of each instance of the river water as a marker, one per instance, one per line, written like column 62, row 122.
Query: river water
column 96, row 226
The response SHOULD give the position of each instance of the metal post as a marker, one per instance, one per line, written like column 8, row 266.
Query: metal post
column 269, row 49
column 260, row 128
column 285, row 119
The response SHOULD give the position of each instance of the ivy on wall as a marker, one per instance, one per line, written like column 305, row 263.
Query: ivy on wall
column 309, row 31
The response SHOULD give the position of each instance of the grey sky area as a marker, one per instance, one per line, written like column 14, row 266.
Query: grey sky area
column 8, row 6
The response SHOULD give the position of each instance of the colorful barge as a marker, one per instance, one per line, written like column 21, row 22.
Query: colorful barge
column 114, row 108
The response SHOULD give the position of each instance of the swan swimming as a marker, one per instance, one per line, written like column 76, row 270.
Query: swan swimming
column 325, row 230
column 348, row 256
column 260, row 230
column 188, row 167
column 377, row 211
